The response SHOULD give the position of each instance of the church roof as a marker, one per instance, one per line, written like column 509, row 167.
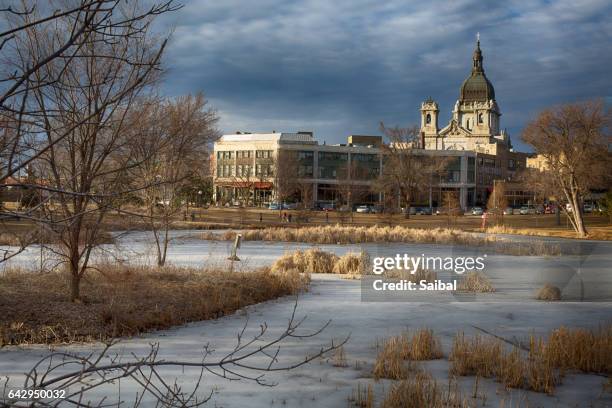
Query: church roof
column 477, row 87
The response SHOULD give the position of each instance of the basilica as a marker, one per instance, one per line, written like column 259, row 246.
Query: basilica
column 475, row 121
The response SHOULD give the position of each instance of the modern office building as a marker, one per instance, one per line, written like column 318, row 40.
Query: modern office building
column 256, row 168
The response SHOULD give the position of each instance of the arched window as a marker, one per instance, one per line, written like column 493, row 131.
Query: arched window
column 428, row 118
column 480, row 118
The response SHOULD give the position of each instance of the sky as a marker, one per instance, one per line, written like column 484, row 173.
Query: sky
column 341, row 67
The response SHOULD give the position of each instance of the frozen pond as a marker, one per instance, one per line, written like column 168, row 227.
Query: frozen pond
column 511, row 312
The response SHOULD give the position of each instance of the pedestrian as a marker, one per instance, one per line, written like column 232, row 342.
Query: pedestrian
column 326, row 217
column 260, row 218
column 289, row 219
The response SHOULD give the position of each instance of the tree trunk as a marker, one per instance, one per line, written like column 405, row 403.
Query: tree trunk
column 75, row 287
column 577, row 215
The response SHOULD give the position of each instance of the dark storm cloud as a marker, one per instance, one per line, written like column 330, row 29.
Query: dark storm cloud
column 341, row 67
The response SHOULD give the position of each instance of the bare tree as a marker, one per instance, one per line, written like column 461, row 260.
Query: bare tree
column 451, row 206
column 407, row 169
column 83, row 122
column 46, row 51
column 497, row 202
column 170, row 143
column 573, row 141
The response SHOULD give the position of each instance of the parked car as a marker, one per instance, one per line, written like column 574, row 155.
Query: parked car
column 377, row 209
column 290, row 206
column 325, row 206
column 477, row 211
column 587, row 208
column 508, row 211
column 527, row 209
column 363, row 209
column 275, row 206
column 516, row 211
column 424, row 211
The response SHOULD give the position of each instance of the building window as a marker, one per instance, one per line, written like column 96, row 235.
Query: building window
column 263, row 154
column 480, row 118
column 304, row 154
column 305, row 171
column 428, row 119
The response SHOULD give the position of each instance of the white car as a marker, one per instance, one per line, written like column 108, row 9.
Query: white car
column 363, row 209
column 477, row 211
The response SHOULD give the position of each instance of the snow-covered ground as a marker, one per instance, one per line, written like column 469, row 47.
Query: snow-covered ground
column 511, row 312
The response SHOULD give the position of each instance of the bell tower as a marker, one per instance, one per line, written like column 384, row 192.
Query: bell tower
column 429, row 117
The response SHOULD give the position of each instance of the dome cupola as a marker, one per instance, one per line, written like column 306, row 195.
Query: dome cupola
column 477, row 87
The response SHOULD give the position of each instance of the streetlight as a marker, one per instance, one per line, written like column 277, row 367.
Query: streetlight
column 199, row 198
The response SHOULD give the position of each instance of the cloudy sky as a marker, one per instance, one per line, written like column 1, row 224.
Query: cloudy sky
column 340, row 67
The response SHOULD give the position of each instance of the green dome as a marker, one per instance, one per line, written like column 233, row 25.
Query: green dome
column 477, row 88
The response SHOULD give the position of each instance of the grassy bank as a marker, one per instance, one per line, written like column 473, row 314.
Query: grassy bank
column 339, row 234
column 126, row 301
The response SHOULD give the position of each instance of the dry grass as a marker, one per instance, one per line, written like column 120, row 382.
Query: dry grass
column 595, row 232
column 315, row 260
column 362, row 397
column 475, row 282
column 339, row 234
column 421, row 390
column 342, row 234
column 422, row 345
column 350, row 263
column 543, row 366
column 125, row 300
column 338, row 358
column 549, row 292
column 588, row 351
column 312, row 260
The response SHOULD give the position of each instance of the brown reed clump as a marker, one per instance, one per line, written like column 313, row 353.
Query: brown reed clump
column 422, row 345
column 549, row 293
column 475, row 282
column 362, row 396
column 350, row 263
column 421, row 390
column 312, row 260
column 588, row 351
column 489, row 358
